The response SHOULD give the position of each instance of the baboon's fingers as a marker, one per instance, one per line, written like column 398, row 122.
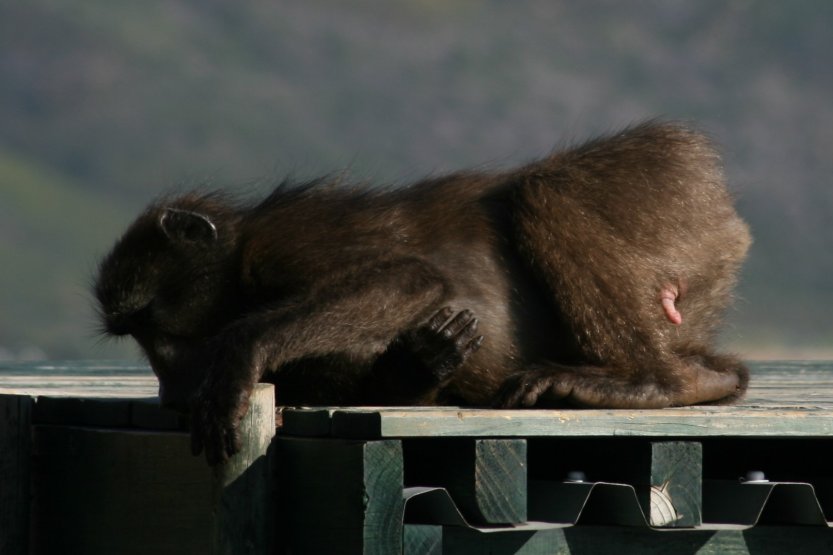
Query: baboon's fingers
column 473, row 345
column 466, row 334
column 458, row 323
column 440, row 318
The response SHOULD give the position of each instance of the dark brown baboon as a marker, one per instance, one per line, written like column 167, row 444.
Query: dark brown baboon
column 597, row 277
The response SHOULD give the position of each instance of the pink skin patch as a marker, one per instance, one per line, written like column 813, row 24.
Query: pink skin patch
column 668, row 297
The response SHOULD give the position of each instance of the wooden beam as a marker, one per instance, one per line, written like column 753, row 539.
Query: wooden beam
column 674, row 496
column 340, row 496
column 67, row 411
column 487, row 478
column 103, row 491
column 423, row 539
column 243, row 489
column 15, row 468
column 694, row 422
column 624, row 540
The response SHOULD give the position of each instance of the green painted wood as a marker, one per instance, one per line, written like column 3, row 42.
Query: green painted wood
column 78, row 378
column 585, row 540
column 674, row 498
column 312, row 422
column 148, row 414
column 339, row 496
column 107, row 412
column 15, row 468
column 774, row 383
column 487, row 478
column 785, row 399
column 104, row 491
column 422, row 539
column 243, row 489
column 694, row 422
column 461, row 541
column 789, row 399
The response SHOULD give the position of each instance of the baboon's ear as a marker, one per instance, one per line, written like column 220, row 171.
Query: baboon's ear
column 184, row 225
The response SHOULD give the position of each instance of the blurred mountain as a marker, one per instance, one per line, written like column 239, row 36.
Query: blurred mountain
column 105, row 104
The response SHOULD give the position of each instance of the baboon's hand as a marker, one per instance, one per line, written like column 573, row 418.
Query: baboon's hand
column 444, row 343
column 216, row 412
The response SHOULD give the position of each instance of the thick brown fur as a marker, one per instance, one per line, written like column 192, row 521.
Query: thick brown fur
column 348, row 295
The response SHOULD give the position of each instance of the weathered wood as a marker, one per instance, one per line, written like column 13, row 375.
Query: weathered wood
column 774, row 384
column 692, row 422
column 104, row 491
column 15, row 466
column 78, row 378
column 674, row 498
column 313, row 422
column 340, row 496
column 423, row 539
column 785, row 399
column 243, row 493
column 106, row 412
column 581, row 540
column 148, row 414
column 487, row 478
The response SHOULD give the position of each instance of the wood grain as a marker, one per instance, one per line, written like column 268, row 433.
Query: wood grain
column 487, row 478
column 582, row 540
column 340, row 496
column 105, row 491
column 243, row 490
column 15, row 467
column 675, row 496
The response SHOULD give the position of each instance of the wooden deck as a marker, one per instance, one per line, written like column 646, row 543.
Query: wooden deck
column 89, row 463
column 78, row 378
column 785, row 399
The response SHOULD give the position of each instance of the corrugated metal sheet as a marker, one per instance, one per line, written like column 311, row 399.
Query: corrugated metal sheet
column 561, row 504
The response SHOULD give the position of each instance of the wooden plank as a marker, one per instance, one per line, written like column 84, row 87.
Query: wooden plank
column 312, row 422
column 487, row 478
column 78, row 378
column 462, row 541
column 636, row 541
column 243, row 493
column 786, row 399
column 148, row 414
column 693, row 422
column 103, row 491
column 120, row 367
column 674, row 498
column 422, row 539
column 107, row 412
column 340, row 496
column 15, row 467
column 776, row 384
column 793, row 399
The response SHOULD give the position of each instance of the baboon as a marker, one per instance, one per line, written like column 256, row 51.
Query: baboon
column 594, row 277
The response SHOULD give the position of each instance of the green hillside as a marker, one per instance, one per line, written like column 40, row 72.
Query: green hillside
column 51, row 232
